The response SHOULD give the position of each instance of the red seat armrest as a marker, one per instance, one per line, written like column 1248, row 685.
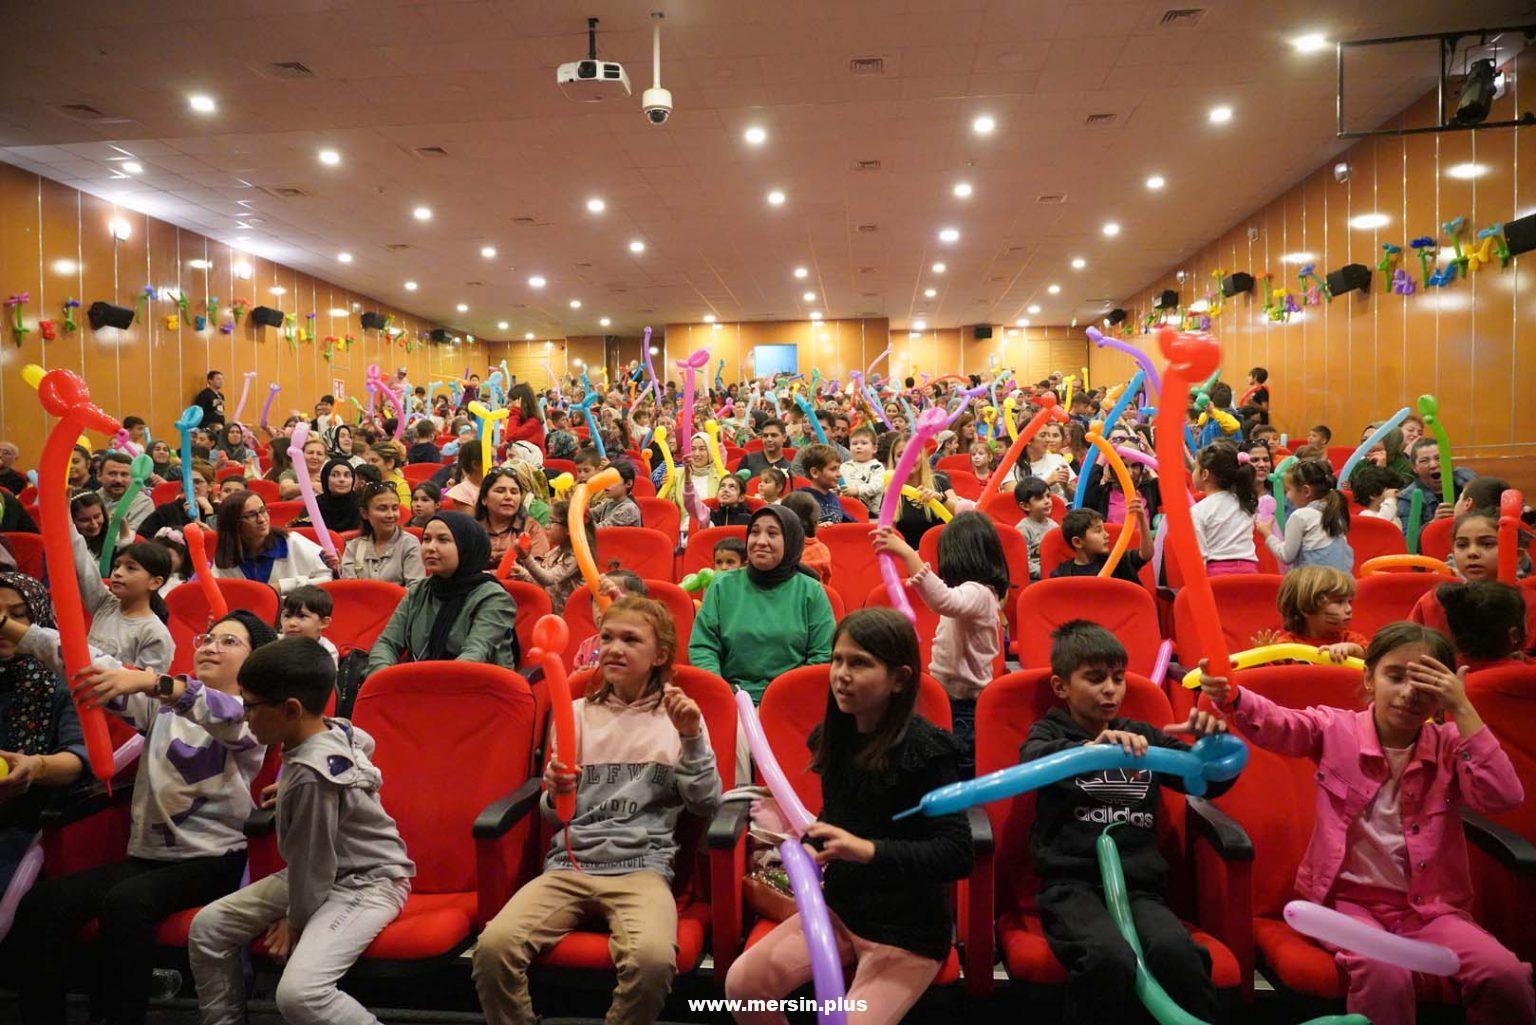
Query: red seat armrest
column 1223, row 861
column 727, row 843
column 503, row 848
column 977, row 913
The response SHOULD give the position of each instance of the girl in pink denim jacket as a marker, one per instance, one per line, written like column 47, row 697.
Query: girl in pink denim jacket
column 1387, row 846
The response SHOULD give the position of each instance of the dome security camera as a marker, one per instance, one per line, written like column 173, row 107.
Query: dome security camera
column 658, row 105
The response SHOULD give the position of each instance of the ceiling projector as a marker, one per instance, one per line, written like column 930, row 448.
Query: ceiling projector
column 592, row 80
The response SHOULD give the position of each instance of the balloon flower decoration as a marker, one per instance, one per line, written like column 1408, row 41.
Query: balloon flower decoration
column 690, row 368
column 1429, row 409
column 140, row 469
column 307, row 490
column 185, row 425
column 576, row 525
column 65, row 396
column 929, row 424
column 488, row 418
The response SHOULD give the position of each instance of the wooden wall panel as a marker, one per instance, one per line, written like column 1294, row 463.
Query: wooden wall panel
column 1359, row 358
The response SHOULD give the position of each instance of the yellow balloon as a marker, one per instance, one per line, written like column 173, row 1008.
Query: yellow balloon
column 1278, row 653
column 32, row 374
column 5, row 768
column 561, row 484
column 659, row 436
column 712, row 429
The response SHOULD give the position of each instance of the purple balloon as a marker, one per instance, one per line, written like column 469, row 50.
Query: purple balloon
column 1367, row 940
column 1154, row 380
column 820, row 940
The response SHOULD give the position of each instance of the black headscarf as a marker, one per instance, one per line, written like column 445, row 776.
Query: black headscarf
column 29, row 726
column 337, row 508
column 794, row 546
column 474, row 555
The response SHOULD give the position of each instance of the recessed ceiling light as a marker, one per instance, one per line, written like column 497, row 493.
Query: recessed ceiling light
column 410, row 286
column 709, row 318
column 489, row 252
column 1310, row 43
column 537, row 281
column 337, row 311
column 502, row 325
column 575, row 304
column 984, row 124
column 1220, row 115
column 132, row 166
column 1053, row 289
column 528, row 337
column 1032, row 309
column 194, row 264
column 929, row 293
column 914, row 334
column 755, row 135
column 604, row 322
column 1078, row 263
column 243, row 270
column 1466, row 171
column 655, row 351
column 776, row 198
column 919, row 325
column 809, row 297
column 1366, row 222
column 120, row 229
column 329, row 157
column 422, row 213
column 717, row 327
column 65, row 266
column 1298, row 258
column 277, row 290
column 596, row 205
column 343, row 257
column 462, row 307
column 801, row 272
column 949, row 236
column 1155, row 182
column 1021, row 322
column 962, row 190
column 1111, row 229
column 356, row 307
column 202, row 104
column 815, row 314
column 636, row 246
column 938, row 268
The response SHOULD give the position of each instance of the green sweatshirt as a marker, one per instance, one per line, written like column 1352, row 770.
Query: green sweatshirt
column 749, row 635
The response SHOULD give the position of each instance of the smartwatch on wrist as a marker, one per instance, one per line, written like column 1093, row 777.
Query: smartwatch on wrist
column 166, row 686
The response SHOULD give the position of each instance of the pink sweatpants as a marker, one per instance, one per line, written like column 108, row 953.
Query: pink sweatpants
column 1494, row 984
column 888, row 979
column 1230, row 567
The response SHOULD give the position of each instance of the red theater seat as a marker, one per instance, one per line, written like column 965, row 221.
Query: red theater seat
column 1383, row 598
column 532, row 603
column 1121, row 607
column 644, row 550
column 361, row 610
column 856, row 510
column 27, row 548
column 700, row 551
column 1247, row 605
column 854, row 570
column 1370, row 537
column 1505, row 696
column 415, row 473
column 660, row 514
column 189, row 612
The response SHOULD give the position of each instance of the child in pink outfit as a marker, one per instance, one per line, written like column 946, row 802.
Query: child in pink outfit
column 1384, row 849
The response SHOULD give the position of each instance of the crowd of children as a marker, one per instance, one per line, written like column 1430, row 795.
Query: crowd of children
column 643, row 755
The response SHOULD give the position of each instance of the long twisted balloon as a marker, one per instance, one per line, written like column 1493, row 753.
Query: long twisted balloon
column 929, row 424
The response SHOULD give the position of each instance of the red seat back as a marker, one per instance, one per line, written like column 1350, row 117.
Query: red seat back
column 583, row 624
column 662, row 515
column 532, row 604
column 927, row 620
column 964, row 483
column 1121, row 607
column 415, row 473
column 229, row 470
column 282, row 513
column 165, row 492
column 1247, row 604
column 1384, row 598
column 189, row 612
column 839, row 610
column 1505, row 696
column 314, row 535
column 1006, row 710
column 1370, row 537
column 362, row 608
column 854, row 508
column 27, row 547
column 1054, row 550
column 854, row 570
column 960, row 462
column 1338, row 455
column 796, row 701
column 267, row 489
column 700, row 552
column 1003, row 509
column 795, row 484
column 644, row 550
column 420, row 714
column 554, row 467
column 643, row 486
column 1435, row 538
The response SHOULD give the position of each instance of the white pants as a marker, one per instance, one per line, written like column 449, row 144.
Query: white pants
column 331, row 942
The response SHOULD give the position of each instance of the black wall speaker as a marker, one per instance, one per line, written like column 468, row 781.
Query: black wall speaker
column 439, row 335
column 981, row 331
column 1520, row 234
column 266, row 316
column 1116, row 316
column 1236, row 283
column 1167, row 299
column 1348, row 278
column 372, row 321
column 106, row 315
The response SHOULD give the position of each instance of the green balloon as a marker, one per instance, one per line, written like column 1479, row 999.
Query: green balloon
column 141, row 467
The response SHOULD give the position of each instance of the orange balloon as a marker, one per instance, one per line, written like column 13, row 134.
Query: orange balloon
column 576, row 526
column 550, row 637
column 1114, row 462
column 198, row 552
column 1048, row 411
column 1389, row 563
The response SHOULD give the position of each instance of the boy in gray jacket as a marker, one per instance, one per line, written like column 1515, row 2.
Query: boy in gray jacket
column 347, row 875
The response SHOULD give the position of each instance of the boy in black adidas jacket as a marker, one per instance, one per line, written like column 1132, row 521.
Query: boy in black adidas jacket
column 1088, row 674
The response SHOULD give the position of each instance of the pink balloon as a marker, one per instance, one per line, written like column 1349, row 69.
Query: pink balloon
column 1160, row 665
column 1370, row 941
column 245, row 391
column 307, row 487
column 1136, row 455
column 929, row 423
column 789, row 802
column 21, row 883
column 690, row 368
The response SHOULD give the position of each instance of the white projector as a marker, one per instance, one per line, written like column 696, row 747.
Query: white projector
column 592, row 81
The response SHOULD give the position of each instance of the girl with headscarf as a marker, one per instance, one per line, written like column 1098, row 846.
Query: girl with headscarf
column 459, row 612
column 230, row 444
column 40, row 736
column 768, row 617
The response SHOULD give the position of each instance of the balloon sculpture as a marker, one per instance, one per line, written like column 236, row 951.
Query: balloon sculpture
column 1095, row 437
column 185, row 424
column 585, row 405
column 659, row 439
column 64, row 395
column 487, row 418
column 1277, row 653
column 576, row 526
column 307, row 490
column 266, row 407
column 690, row 368
column 1392, row 563
column 820, row 940
column 712, row 430
column 1376, row 438
column 1429, row 409
column 929, row 424
column 1152, row 380
column 1511, row 504
column 1048, row 411
column 197, row 551
column 140, row 469
column 245, row 391
column 789, row 802
column 376, row 379
column 551, row 635
column 1111, row 418
column 650, row 371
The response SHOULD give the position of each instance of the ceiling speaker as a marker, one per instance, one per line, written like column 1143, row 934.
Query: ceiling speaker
column 372, row 321
column 1167, row 299
column 981, row 331
column 439, row 335
column 1349, row 278
column 103, row 314
column 1236, row 284
column 266, row 316
column 1116, row 316
column 1520, row 234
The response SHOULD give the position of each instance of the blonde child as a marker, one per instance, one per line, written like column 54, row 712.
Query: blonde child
column 1316, row 606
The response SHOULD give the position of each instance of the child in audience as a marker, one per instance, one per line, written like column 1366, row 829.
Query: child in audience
column 1320, row 436
column 1224, row 517
column 1375, row 490
column 614, row 584
column 306, row 612
column 730, row 505
column 1034, row 501
column 887, row 883
column 124, row 623
column 619, row 508
column 1487, row 623
column 1388, row 855
column 1316, row 606
column 347, row 873
column 863, row 475
column 1219, row 420
column 1044, row 462
column 983, row 459
column 1083, row 531
column 1088, row 678
column 771, row 485
column 822, row 468
column 644, row 755
column 967, row 594
column 175, row 545
column 555, row 570
column 730, row 553
column 559, row 443
column 1317, row 527
column 816, row 556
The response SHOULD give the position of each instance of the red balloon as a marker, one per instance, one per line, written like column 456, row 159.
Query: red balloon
column 550, row 637
column 1191, row 358
column 198, row 553
column 1511, row 504
column 65, row 396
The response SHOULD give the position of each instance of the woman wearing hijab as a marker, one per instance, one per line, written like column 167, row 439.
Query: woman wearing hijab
column 40, row 736
column 337, row 499
column 768, row 617
column 230, row 446
column 459, row 612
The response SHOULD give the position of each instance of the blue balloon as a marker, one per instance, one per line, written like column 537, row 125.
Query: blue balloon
column 1377, row 437
column 1213, row 759
column 585, row 405
column 810, row 414
column 190, row 418
column 1110, row 419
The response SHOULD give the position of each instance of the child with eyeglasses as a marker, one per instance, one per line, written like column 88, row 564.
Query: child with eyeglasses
column 191, row 797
